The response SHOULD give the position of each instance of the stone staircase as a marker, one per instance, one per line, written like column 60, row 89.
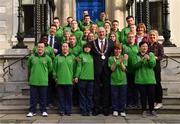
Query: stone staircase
column 14, row 93
column 18, row 102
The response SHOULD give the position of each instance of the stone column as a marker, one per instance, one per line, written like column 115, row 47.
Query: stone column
column 118, row 7
column 66, row 10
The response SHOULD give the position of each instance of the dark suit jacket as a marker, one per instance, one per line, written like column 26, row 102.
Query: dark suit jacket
column 57, row 45
column 100, row 64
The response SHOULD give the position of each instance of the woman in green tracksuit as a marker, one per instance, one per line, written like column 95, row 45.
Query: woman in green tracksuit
column 85, row 79
column 145, row 77
column 117, row 64
column 63, row 73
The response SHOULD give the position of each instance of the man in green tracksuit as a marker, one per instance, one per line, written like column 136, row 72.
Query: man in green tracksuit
column 145, row 77
column 100, row 22
column 63, row 73
column 75, row 50
column 131, row 49
column 39, row 65
column 76, row 31
column 124, row 32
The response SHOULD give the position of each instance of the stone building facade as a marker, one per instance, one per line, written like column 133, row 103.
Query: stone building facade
column 115, row 9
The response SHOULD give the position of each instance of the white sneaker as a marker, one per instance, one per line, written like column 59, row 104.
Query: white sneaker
column 158, row 106
column 123, row 114
column 30, row 114
column 44, row 114
column 115, row 113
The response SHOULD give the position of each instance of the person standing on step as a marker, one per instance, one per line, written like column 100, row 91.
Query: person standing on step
column 145, row 78
column 85, row 80
column 158, row 51
column 101, row 50
column 63, row 74
column 117, row 63
column 39, row 66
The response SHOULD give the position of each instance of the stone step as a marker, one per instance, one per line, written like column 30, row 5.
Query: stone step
column 25, row 90
column 166, row 109
column 171, row 99
column 15, row 100
column 18, row 99
column 12, row 87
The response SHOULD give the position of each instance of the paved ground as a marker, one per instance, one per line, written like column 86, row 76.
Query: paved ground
column 76, row 118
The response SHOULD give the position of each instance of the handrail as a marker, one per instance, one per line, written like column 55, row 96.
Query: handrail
column 9, row 66
column 166, row 62
column 16, row 61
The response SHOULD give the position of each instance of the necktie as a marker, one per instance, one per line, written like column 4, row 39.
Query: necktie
column 51, row 41
column 102, row 47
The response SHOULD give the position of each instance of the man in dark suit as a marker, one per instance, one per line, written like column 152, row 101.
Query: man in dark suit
column 101, row 50
column 53, row 40
column 55, row 44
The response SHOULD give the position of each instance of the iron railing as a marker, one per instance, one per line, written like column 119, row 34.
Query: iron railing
column 8, row 69
column 165, row 62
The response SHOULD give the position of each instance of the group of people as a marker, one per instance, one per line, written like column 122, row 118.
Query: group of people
column 103, row 69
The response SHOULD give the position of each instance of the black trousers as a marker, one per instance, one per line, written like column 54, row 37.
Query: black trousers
column 52, row 91
column 102, row 92
column 147, row 94
column 132, row 90
column 158, row 86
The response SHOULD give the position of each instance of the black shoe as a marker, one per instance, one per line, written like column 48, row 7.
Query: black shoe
column 61, row 113
column 95, row 113
column 68, row 114
column 84, row 114
column 106, row 112
column 88, row 114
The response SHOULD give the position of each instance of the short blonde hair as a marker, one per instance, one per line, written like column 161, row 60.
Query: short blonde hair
column 155, row 32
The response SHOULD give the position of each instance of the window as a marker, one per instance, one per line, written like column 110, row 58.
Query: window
column 29, row 19
column 155, row 13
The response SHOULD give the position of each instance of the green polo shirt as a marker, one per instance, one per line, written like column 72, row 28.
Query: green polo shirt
column 59, row 33
column 131, row 51
column 100, row 23
column 38, row 69
column 76, row 50
column 124, row 34
column 85, row 67
column 79, row 35
column 118, row 77
column 63, row 69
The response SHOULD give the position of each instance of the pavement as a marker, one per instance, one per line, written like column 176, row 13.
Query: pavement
column 77, row 118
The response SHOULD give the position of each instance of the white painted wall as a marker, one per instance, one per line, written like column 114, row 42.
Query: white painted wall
column 175, row 21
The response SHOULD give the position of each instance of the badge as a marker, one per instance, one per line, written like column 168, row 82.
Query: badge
column 103, row 57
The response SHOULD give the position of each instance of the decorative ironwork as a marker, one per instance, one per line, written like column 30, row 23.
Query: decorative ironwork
column 147, row 15
column 46, row 13
column 165, row 24
column 129, row 5
column 37, row 14
column 20, row 33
